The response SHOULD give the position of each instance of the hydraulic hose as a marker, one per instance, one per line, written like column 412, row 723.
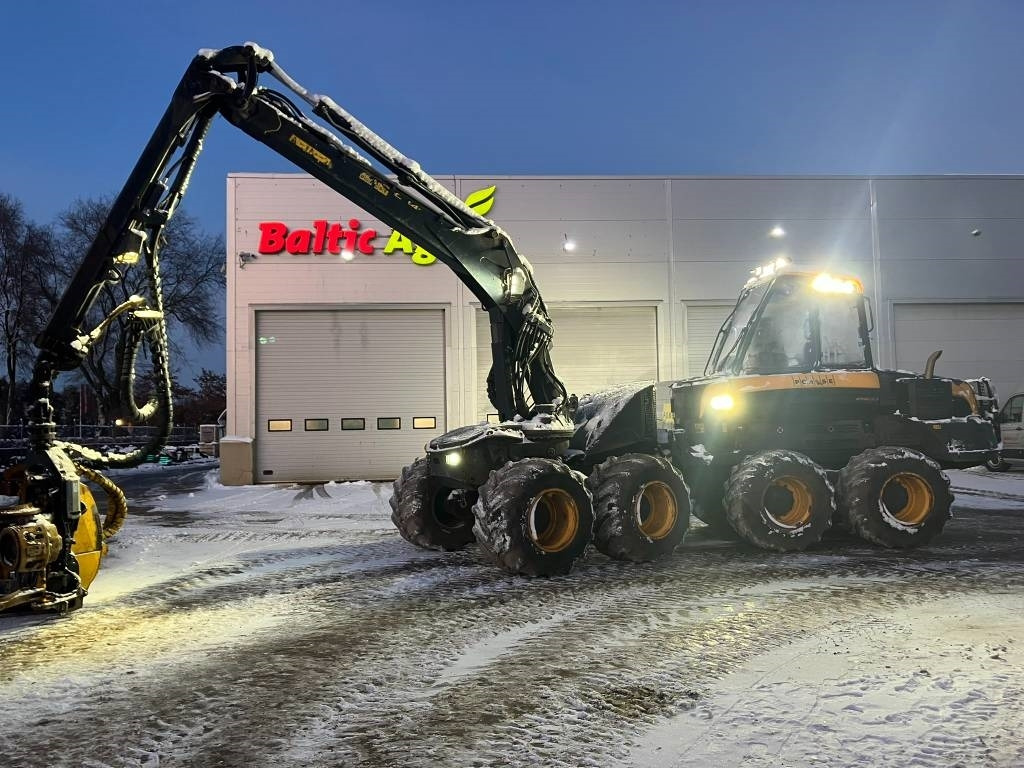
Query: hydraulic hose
column 117, row 504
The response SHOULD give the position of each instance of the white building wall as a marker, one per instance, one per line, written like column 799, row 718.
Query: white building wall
column 650, row 241
column 930, row 252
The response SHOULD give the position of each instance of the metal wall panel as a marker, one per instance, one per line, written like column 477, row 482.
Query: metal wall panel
column 774, row 200
column 830, row 243
column 941, row 259
column 942, row 241
column 529, row 199
column 975, row 339
column 949, row 197
column 613, row 281
column 596, row 242
column 346, row 364
column 595, row 348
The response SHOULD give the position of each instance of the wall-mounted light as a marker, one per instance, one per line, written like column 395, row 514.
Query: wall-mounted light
column 347, row 255
column 568, row 244
column 776, row 232
column 245, row 257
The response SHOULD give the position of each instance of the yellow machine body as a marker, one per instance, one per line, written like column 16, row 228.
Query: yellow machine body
column 30, row 544
column 89, row 546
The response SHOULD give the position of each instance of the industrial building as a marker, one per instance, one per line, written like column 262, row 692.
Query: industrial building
column 348, row 348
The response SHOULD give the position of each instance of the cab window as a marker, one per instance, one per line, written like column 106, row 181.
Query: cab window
column 1013, row 412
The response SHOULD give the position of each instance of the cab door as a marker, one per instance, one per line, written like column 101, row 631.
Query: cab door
column 1011, row 419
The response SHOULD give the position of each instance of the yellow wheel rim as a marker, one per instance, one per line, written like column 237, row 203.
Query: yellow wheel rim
column 656, row 510
column 907, row 498
column 554, row 520
column 787, row 502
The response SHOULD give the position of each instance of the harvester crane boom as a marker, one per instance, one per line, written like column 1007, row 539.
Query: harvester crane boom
column 226, row 82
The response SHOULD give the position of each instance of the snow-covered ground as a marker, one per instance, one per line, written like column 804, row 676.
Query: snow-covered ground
column 936, row 684
column 290, row 625
column 940, row 683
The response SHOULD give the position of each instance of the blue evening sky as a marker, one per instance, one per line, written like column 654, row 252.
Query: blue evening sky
column 684, row 87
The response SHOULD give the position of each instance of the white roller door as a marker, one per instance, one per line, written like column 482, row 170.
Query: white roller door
column 595, row 348
column 346, row 394
column 975, row 339
column 701, row 322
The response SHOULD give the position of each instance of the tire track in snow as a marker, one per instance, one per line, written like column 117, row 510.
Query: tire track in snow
column 402, row 749
column 351, row 635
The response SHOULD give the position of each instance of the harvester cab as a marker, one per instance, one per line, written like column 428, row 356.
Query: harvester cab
column 789, row 321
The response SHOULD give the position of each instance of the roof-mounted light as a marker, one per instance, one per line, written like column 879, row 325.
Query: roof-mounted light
column 767, row 270
column 827, row 283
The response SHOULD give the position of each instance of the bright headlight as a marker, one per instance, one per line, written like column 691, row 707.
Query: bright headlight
column 722, row 403
column 453, row 459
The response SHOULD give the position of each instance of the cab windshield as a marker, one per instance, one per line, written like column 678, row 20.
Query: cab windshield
column 732, row 332
column 796, row 329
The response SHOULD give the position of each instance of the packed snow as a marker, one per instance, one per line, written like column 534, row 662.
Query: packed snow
column 937, row 684
column 295, row 615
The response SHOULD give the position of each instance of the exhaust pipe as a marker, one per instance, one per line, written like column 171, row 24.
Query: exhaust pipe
column 929, row 367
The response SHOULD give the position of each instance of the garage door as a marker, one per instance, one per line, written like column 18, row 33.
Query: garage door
column 346, row 395
column 701, row 322
column 975, row 339
column 595, row 348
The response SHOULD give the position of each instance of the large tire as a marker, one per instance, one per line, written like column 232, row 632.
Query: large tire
column 894, row 497
column 431, row 516
column 534, row 517
column 641, row 507
column 779, row 500
column 998, row 464
column 707, row 500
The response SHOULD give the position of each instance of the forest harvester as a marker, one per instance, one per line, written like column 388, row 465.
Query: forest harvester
column 790, row 400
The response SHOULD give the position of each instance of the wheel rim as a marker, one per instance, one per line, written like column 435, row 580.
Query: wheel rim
column 907, row 498
column 787, row 502
column 656, row 510
column 446, row 513
column 554, row 520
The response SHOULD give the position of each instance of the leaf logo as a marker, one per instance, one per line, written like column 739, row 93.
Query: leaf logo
column 482, row 200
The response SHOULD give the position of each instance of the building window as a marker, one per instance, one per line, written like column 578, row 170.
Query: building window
column 389, row 422
column 353, row 423
column 424, row 422
column 316, row 425
column 279, row 425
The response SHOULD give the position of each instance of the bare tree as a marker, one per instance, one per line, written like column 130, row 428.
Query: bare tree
column 27, row 253
column 191, row 267
column 204, row 404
